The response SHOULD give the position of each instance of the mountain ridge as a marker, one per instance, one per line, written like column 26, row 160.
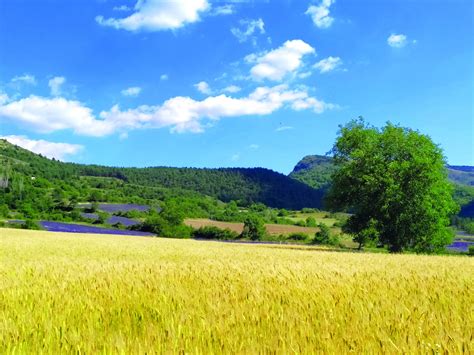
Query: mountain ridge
column 247, row 185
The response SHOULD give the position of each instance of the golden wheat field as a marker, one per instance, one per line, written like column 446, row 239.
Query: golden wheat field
column 62, row 293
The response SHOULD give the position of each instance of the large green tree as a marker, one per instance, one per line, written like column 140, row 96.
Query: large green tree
column 393, row 181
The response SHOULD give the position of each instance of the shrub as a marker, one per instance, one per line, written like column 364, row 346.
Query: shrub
column 211, row 232
column 118, row 225
column 298, row 236
column 283, row 220
column 322, row 236
column 300, row 223
column 470, row 251
column 4, row 211
column 168, row 223
column 254, row 228
column 31, row 224
column 309, row 210
column 311, row 222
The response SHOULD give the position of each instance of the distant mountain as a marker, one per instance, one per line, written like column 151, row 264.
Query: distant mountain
column 226, row 184
column 463, row 175
column 316, row 170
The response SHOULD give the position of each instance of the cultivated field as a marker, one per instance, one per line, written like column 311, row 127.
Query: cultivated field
column 274, row 229
column 117, row 294
column 320, row 217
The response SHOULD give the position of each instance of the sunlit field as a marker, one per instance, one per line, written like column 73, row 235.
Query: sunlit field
column 272, row 229
column 102, row 293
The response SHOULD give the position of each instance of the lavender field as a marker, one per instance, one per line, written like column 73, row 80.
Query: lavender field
column 127, row 222
column 459, row 246
column 79, row 228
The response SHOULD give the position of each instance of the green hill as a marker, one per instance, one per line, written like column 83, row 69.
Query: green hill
column 463, row 175
column 29, row 170
column 314, row 170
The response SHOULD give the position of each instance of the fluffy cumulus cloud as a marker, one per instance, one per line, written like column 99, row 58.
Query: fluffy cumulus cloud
column 320, row 14
column 397, row 40
column 158, row 15
column 48, row 149
column 183, row 114
column 203, row 87
column 55, row 85
column 132, row 91
column 180, row 114
column 328, row 64
column 247, row 29
column 53, row 114
column 274, row 65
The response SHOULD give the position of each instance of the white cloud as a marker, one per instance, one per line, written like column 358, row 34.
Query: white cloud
column 328, row 64
column 48, row 149
column 180, row 114
column 304, row 75
column 232, row 89
column 25, row 78
column 157, row 15
column 53, row 114
column 275, row 64
column 283, row 128
column 228, row 9
column 203, row 87
column 311, row 103
column 164, row 77
column 254, row 146
column 122, row 8
column 132, row 91
column 397, row 40
column 55, row 85
column 320, row 14
column 249, row 27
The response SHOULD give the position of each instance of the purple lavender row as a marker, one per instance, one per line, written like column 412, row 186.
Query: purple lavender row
column 459, row 246
column 79, row 228
column 127, row 222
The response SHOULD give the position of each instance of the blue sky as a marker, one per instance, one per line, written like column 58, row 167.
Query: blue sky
column 230, row 83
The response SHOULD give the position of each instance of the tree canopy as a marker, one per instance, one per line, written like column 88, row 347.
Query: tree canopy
column 394, row 182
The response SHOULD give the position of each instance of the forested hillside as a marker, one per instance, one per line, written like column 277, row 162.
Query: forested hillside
column 314, row 170
column 24, row 169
